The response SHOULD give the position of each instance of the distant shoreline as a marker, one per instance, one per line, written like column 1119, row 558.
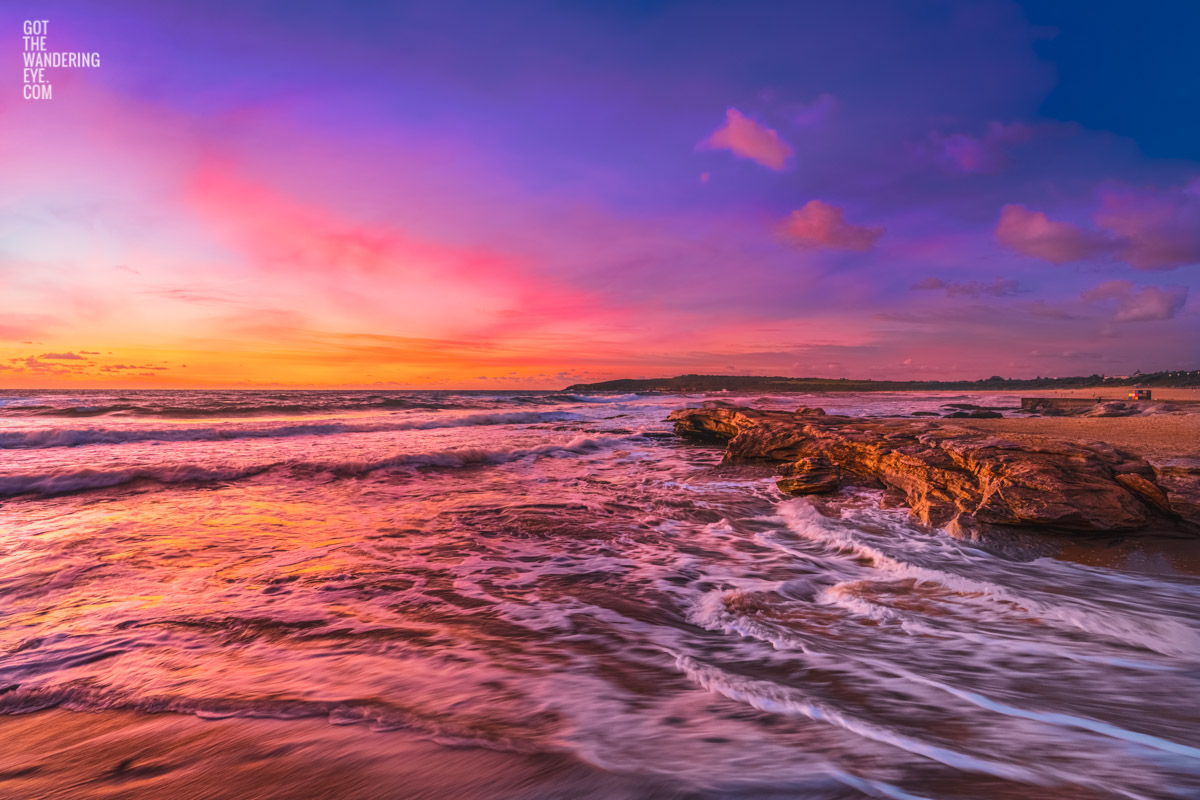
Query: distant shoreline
column 778, row 384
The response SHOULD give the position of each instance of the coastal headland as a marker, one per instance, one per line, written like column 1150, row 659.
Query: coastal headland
column 1108, row 387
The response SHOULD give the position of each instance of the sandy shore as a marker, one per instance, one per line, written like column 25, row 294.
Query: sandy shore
column 1112, row 393
column 1155, row 438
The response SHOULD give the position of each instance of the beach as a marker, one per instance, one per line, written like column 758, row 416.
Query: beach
column 1118, row 393
column 1155, row 437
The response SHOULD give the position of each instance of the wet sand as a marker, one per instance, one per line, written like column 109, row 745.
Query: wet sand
column 118, row 755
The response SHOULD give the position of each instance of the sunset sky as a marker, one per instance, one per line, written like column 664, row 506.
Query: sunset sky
column 526, row 195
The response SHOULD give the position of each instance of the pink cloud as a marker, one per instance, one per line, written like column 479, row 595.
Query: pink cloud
column 746, row 138
column 818, row 224
column 1139, row 304
column 347, row 273
column 20, row 327
column 1147, row 229
column 1034, row 234
column 1156, row 230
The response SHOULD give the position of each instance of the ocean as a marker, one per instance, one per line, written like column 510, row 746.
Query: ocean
column 556, row 576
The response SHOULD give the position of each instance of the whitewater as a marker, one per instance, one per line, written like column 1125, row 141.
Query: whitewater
column 557, row 576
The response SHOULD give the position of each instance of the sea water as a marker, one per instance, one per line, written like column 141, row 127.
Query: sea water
column 555, row 573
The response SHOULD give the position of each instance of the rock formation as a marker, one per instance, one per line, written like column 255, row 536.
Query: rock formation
column 965, row 480
column 1180, row 479
column 816, row 475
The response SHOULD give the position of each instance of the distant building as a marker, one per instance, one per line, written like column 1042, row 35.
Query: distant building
column 1139, row 394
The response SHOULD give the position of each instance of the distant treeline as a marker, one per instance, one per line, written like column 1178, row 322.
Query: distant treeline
column 753, row 383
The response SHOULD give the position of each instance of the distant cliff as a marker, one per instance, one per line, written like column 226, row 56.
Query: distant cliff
column 754, row 383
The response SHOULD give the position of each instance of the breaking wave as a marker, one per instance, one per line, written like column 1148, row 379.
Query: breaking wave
column 1136, row 628
column 204, row 405
column 73, row 437
column 66, row 481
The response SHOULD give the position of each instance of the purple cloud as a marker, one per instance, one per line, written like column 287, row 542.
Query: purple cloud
column 1147, row 229
column 929, row 284
column 1032, row 233
column 1138, row 304
column 1156, row 230
column 1001, row 287
column 818, row 112
column 961, row 152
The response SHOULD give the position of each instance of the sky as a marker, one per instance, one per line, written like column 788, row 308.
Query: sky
column 487, row 195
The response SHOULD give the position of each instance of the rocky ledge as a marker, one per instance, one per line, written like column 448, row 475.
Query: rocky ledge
column 964, row 480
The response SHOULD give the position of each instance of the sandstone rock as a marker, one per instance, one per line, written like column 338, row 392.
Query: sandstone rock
column 805, row 411
column 1180, row 479
column 973, row 407
column 1057, row 406
column 815, row 475
column 1147, row 490
column 893, row 498
column 1116, row 409
column 947, row 473
column 718, row 404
